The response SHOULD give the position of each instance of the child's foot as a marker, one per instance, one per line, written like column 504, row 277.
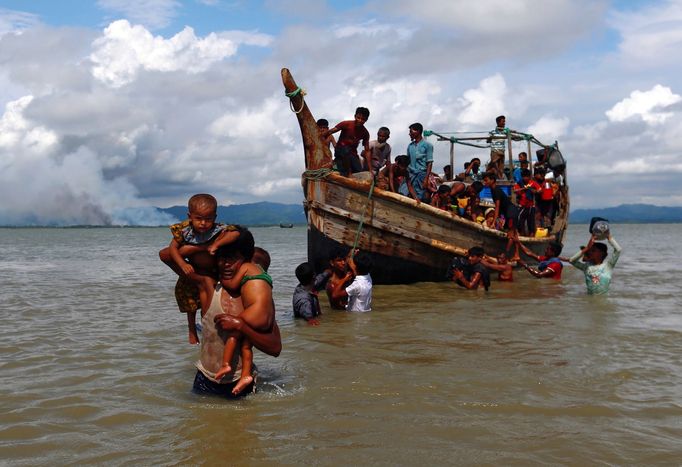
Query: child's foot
column 242, row 384
column 193, row 338
column 225, row 369
column 515, row 258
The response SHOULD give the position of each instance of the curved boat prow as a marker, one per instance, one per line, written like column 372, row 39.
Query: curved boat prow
column 317, row 156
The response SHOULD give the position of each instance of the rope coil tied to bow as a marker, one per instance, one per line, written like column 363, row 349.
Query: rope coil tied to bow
column 293, row 94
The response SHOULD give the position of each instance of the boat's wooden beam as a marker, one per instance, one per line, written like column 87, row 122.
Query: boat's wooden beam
column 440, row 245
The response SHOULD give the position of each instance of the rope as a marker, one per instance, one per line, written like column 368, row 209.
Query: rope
column 317, row 174
column 362, row 219
column 293, row 94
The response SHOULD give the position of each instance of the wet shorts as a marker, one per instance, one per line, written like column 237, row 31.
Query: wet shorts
column 203, row 385
column 187, row 295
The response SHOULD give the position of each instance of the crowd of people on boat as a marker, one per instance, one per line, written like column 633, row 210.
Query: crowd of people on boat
column 518, row 199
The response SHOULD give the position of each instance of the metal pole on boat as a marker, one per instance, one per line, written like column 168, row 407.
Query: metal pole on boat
column 452, row 160
column 530, row 159
column 511, row 165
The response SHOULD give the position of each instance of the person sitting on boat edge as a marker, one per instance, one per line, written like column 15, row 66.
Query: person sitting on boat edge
column 379, row 154
column 441, row 199
column 469, row 272
column 391, row 177
column 199, row 237
column 305, row 301
column 597, row 272
column 420, row 153
column 339, row 278
column 323, row 128
column 352, row 132
column 550, row 265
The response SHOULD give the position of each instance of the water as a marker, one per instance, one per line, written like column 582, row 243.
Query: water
column 95, row 368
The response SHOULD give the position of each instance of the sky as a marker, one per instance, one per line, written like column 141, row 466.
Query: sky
column 111, row 107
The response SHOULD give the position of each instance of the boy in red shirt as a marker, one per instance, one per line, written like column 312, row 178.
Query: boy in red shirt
column 550, row 265
column 525, row 196
column 346, row 151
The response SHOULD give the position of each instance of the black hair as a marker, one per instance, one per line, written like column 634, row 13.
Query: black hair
column 243, row 245
column 556, row 248
column 526, row 162
column 339, row 251
column 402, row 160
column 446, row 168
column 490, row 175
column 466, row 165
column 601, row 247
column 497, row 120
column 476, row 251
column 475, row 159
column 261, row 257
column 383, row 128
column 363, row 263
column 443, row 189
column 525, row 173
column 477, row 186
column 363, row 111
column 323, row 122
column 417, row 127
column 305, row 273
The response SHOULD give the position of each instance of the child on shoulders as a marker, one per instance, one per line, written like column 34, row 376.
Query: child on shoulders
column 194, row 243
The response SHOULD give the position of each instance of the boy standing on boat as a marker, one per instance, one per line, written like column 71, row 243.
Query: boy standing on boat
column 346, row 151
column 379, row 152
column 420, row 153
column 497, row 146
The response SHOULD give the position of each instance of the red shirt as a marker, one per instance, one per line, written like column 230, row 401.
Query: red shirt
column 555, row 266
column 351, row 135
column 525, row 199
column 547, row 193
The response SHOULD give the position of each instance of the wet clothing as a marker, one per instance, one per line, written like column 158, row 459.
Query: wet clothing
column 598, row 276
column 553, row 264
column 360, row 294
column 203, row 385
column 264, row 276
column 187, row 295
column 213, row 341
column 306, row 303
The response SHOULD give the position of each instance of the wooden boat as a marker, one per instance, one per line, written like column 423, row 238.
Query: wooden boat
column 409, row 241
column 286, row 225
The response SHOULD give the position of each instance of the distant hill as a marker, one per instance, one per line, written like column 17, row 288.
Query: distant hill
column 630, row 214
column 263, row 213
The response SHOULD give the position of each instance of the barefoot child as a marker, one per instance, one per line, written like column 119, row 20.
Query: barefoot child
column 248, row 279
column 194, row 242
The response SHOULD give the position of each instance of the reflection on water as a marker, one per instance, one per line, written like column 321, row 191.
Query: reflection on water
column 95, row 368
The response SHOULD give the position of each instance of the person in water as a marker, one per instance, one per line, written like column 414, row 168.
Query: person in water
column 305, row 301
column 502, row 266
column 359, row 292
column 339, row 278
column 549, row 266
column 200, row 236
column 470, row 273
column 597, row 271
column 225, row 313
column 249, row 280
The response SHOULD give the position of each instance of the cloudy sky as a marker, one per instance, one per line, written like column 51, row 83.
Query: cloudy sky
column 111, row 106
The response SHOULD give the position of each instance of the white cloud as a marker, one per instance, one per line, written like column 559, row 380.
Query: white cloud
column 12, row 21
column 19, row 137
column 481, row 105
column 649, row 105
column 124, row 50
column 651, row 35
column 154, row 14
column 549, row 128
